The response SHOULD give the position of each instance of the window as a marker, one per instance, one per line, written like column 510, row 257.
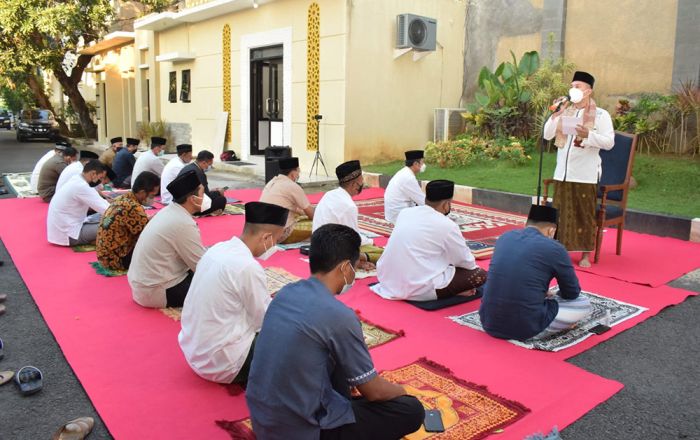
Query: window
column 185, row 86
column 172, row 90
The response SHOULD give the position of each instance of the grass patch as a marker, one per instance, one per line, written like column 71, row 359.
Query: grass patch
column 669, row 185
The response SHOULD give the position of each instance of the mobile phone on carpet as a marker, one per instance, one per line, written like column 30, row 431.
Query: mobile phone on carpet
column 599, row 329
column 305, row 250
column 433, row 421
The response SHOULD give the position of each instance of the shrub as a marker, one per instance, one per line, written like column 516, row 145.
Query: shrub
column 466, row 149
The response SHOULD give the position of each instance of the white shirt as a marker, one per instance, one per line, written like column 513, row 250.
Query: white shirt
column 582, row 165
column 74, row 169
column 147, row 161
column 421, row 255
column 170, row 172
column 223, row 310
column 68, row 210
column 336, row 206
column 34, row 179
column 168, row 247
column 402, row 192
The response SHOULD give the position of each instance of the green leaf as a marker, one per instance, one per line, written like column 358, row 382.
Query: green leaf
column 499, row 70
column 508, row 71
column 482, row 99
column 525, row 96
column 529, row 63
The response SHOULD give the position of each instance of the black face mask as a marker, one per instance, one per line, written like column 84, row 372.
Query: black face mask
column 94, row 184
column 360, row 188
column 448, row 211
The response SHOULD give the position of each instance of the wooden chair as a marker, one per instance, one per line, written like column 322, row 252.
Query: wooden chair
column 613, row 188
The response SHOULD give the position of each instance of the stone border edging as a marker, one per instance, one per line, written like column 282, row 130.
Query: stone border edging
column 644, row 222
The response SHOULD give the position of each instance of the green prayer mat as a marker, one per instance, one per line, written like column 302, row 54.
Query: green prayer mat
column 101, row 270
column 84, row 248
column 236, row 209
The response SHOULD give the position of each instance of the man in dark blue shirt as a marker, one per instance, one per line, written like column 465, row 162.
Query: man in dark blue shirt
column 517, row 302
column 123, row 163
column 310, row 352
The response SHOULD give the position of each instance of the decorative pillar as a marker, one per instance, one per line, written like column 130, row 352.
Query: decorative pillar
column 312, row 74
column 227, row 81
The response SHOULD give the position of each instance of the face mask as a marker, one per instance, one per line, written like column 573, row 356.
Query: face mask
column 360, row 187
column 161, row 152
column 94, row 184
column 448, row 210
column 206, row 203
column 268, row 252
column 347, row 286
column 576, row 95
column 207, row 169
column 148, row 202
column 423, row 167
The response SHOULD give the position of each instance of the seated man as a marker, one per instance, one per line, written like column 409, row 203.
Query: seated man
column 107, row 156
column 75, row 168
column 57, row 151
column 51, row 172
column 404, row 190
column 172, row 169
column 337, row 206
column 517, row 303
column 228, row 297
column 427, row 257
column 123, row 222
column 169, row 248
column 311, row 351
column 124, row 163
column 150, row 160
column 66, row 222
column 283, row 190
column 216, row 196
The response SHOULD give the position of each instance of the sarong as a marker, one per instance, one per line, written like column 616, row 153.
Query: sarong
column 576, row 205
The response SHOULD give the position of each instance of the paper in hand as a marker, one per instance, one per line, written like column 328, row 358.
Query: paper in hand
column 569, row 123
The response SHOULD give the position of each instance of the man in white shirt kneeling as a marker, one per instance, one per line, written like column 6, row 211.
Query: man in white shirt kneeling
column 67, row 223
column 404, row 190
column 228, row 297
column 427, row 257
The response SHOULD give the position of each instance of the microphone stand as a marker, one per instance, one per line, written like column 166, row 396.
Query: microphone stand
column 542, row 144
column 318, row 158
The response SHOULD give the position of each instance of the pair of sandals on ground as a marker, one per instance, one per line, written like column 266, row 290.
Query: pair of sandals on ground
column 30, row 381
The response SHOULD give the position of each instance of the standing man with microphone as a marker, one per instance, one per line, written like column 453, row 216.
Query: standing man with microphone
column 578, row 164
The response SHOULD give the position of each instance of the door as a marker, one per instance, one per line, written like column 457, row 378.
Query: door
column 266, row 102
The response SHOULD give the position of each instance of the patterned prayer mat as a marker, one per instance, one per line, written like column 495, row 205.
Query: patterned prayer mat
column 482, row 249
column 277, row 278
column 84, row 248
column 376, row 335
column 474, row 222
column 19, row 184
column 619, row 312
column 101, row 270
column 468, row 410
column 235, row 209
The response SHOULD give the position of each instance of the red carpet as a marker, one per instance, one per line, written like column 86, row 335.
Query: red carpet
column 129, row 362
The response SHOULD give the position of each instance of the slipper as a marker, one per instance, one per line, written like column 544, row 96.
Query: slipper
column 29, row 380
column 6, row 376
column 1, row 348
column 2, row 309
column 3, row 297
column 76, row 429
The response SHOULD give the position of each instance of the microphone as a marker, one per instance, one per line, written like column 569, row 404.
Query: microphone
column 556, row 106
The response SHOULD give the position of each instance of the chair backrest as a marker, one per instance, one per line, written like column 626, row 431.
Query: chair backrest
column 617, row 164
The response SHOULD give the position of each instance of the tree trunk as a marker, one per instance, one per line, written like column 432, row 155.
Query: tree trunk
column 43, row 100
column 70, row 88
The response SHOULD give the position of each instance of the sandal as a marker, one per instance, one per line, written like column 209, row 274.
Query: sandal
column 3, row 297
column 1, row 348
column 6, row 376
column 76, row 429
column 29, row 380
column 2, row 309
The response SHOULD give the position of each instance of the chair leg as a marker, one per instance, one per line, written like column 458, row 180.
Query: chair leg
column 598, row 242
column 620, row 229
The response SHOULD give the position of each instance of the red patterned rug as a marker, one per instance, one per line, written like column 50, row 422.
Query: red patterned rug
column 469, row 411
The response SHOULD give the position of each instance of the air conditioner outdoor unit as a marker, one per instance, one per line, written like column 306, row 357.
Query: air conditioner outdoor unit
column 415, row 32
column 448, row 122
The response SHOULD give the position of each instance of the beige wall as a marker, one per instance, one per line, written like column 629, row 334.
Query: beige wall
column 627, row 45
column 519, row 44
column 390, row 102
column 204, row 39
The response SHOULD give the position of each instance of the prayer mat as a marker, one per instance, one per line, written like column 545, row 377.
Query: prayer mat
column 469, row 411
column 376, row 335
column 286, row 247
column 19, row 184
column 618, row 312
column 277, row 278
column 174, row 313
column 236, row 209
column 481, row 249
column 475, row 222
column 435, row 304
column 101, row 270
column 84, row 248
column 301, row 231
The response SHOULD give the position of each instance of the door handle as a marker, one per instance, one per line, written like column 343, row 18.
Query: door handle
column 268, row 106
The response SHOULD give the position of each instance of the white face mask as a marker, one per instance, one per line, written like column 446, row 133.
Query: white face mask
column 576, row 95
column 268, row 251
column 347, row 286
column 206, row 203
column 423, row 167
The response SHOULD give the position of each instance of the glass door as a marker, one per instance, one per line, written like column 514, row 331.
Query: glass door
column 266, row 98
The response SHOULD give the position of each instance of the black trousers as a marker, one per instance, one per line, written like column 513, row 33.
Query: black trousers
column 463, row 281
column 388, row 420
column 175, row 295
column 218, row 201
